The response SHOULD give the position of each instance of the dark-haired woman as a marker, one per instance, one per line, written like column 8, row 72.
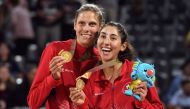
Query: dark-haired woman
column 105, row 88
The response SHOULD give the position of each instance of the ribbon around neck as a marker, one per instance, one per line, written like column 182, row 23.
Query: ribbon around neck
column 80, row 80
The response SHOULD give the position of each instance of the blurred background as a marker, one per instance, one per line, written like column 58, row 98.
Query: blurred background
column 158, row 29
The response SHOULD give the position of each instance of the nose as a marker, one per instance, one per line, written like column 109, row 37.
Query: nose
column 86, row 27
column 106, row 41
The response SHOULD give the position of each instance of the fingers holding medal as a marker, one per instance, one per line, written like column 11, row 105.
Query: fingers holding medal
column 55, row 66
column 56, row 63
column 67, row 56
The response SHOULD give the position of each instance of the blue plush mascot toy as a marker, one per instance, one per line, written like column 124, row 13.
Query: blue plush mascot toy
column 141, row 72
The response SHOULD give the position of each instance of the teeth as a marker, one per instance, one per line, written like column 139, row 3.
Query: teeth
column 86, row 34
column 106, row 49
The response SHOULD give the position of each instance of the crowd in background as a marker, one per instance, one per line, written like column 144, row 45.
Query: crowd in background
column 158, row 29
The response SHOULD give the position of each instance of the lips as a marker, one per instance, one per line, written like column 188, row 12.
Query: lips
column 86, row 36
column 106, row 50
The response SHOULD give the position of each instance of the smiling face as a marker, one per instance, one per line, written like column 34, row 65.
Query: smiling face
column 109, row 43
column 86, row 26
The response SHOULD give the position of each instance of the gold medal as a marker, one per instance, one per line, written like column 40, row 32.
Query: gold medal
column 80, row 84
column 66, row 55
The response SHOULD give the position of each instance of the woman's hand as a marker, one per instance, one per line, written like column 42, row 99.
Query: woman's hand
column 77, row 96
column 55, row 66
column 141, row 89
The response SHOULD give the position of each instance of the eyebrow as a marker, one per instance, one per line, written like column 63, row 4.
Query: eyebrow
column 102, row 32
column 114, row 35
column 110, row 35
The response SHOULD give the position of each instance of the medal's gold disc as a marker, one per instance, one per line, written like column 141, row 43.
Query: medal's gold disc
column 66, row 55
column 80, row 84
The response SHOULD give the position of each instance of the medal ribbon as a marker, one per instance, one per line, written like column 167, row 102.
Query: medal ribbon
column 79, row 81
column 102, row 66
column 73, row 46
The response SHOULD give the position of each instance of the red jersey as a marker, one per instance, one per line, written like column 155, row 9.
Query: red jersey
column 56, row 92
column 101, row 94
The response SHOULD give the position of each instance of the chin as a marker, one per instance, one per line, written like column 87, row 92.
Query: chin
column 106, row 59
column 86, row 44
